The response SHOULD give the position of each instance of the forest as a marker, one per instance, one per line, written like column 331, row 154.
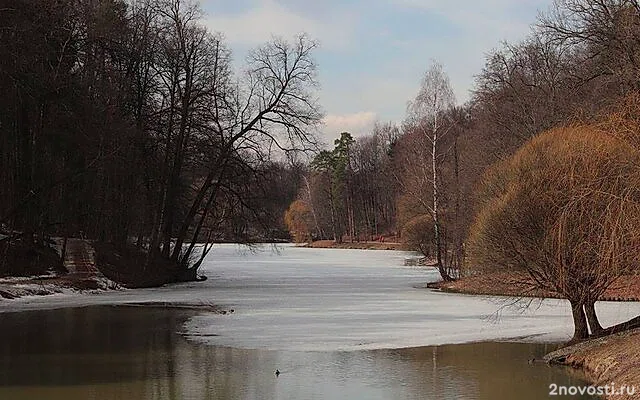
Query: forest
column 124, row 122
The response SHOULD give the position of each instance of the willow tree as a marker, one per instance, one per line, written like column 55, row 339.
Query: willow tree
column 299, row 221
column 562, row 215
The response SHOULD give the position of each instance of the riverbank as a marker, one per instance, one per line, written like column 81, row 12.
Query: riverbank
column 330, row 244
column 61, row 266
column 624, row 289
column 46, row 285
column 78, row 266
column 612, row 360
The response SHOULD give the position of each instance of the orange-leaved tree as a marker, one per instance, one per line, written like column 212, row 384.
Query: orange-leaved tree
column 299, row 221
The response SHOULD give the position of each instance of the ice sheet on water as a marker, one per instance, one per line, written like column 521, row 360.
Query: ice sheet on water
column 324, row 299
column 315, row 299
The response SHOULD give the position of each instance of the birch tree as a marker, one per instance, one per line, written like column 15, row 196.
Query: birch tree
column 426, row 114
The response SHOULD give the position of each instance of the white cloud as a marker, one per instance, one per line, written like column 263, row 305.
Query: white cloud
column 357, row 124
column 487, row 21
column 268, row 18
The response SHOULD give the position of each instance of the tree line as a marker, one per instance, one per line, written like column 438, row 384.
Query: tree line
column 123, row 121
column 536, row 176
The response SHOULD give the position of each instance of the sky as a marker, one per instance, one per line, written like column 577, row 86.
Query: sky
column 373, row 53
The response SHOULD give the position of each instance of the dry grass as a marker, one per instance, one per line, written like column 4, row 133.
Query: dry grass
column 498, row 284
column 614, row 359
column 508, row 284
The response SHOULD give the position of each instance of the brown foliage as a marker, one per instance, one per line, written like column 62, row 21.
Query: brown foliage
column 418, row 233
column 565, row 209
column 299, row 221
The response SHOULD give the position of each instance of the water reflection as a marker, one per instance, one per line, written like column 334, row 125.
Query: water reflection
column 136, row 353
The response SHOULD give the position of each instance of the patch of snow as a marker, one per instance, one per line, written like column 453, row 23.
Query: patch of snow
column 14, row 279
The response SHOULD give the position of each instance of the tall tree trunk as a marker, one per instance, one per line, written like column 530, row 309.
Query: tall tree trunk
column 436, row 217
column 351, row 218
column 581, row 329
column 174, row 178
column 592, row 317
column 313, row 210
column 185, row 258
column 193, row 211
column 159, row 218
column 216, row 174
column 457, row 240
column 334, row 222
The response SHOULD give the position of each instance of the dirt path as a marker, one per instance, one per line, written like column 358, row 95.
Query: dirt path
column 80, row 259
column 83, row 274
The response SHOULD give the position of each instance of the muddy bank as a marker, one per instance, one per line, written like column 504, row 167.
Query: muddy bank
column 624, row 289
column 613, row 360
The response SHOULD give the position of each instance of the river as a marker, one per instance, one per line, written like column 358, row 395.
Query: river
column 338, row 324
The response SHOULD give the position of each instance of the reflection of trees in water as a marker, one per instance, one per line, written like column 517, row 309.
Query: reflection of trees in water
column 85, row 345
column 206, row 372
column 136, row 353
column 130, row 352
column 477, row 371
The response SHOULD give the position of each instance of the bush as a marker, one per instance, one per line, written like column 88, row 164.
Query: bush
column 419, row 234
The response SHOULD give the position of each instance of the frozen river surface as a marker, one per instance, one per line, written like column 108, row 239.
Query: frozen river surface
column 290, row 298
column 338, row 324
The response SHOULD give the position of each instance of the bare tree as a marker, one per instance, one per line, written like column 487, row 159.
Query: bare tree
column 608, row 34
column 273, row 108
column 527, row 88
column 426, row 114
